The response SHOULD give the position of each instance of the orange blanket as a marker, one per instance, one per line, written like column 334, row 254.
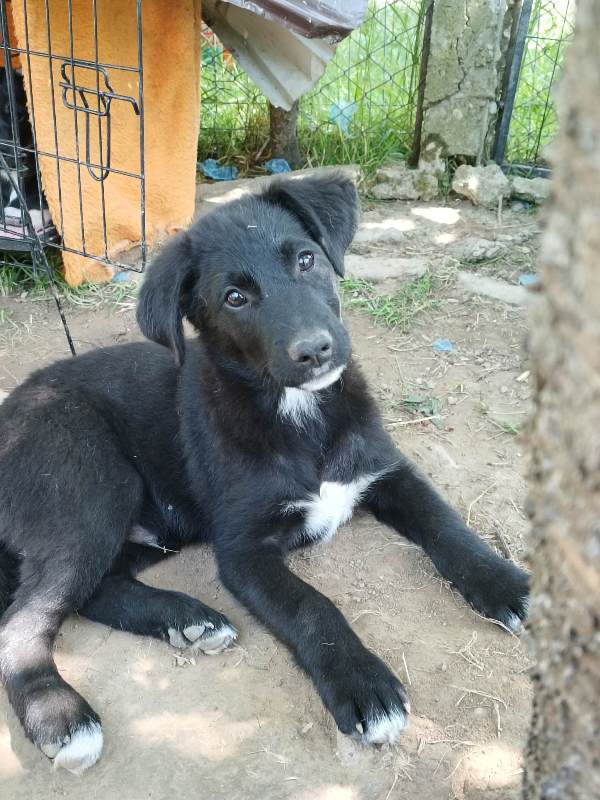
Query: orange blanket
column 103, row 218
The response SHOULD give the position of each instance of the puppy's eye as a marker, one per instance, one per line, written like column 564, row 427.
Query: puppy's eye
column 306, row 260
column 235, row 298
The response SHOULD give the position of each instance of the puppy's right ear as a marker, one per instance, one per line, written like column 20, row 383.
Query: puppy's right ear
column 165, row 294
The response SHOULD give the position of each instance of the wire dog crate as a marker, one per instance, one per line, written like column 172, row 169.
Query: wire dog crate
column 56, row 134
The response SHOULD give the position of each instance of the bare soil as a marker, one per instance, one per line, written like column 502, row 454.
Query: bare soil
column 247, row 723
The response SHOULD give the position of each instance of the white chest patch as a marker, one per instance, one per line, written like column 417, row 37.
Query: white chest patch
column 332, row 507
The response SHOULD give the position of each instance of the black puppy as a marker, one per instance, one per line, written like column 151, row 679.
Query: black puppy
column 17, row 160
column 259, row 436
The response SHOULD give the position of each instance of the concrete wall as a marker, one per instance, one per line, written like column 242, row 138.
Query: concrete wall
column 469, row 39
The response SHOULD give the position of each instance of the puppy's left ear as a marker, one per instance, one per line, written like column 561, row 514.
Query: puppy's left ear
column 164, row 297
column 327, row 207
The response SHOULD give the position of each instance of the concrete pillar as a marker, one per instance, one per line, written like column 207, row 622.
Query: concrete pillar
column 469, row 39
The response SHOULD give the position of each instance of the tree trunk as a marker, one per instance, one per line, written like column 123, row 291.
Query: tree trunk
column 563, row 758
column 284, row 142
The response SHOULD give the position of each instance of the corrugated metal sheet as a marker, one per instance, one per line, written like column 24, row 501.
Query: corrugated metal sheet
column 283, row 45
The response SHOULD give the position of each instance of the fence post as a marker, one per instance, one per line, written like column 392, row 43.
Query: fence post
column 283, row 134
column 513, row 68
column 463, row 77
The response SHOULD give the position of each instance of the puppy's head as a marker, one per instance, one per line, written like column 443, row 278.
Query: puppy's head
column 257, row 279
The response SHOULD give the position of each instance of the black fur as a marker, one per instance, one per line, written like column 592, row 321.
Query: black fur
column 122, row 444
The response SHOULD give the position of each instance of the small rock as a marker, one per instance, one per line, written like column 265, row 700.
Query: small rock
column 494, row 288
column 382, row 269
column 483, row 186
column 374, row 232
column 531, row 190
column 397, row 182
column 475, row 249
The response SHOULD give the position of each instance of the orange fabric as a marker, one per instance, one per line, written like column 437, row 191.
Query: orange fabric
column 12, row 39
column 171, row 77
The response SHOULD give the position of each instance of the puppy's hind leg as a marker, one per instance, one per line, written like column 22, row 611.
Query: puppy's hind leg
column 53, row 715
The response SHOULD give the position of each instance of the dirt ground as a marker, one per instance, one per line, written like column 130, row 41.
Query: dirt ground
column 247, row 723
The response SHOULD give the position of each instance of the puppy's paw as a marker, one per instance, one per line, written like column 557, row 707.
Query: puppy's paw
column 206, row 637
column 368, row 701
column 197, row 627
column 61, row 724
column 500, row 592
column 77, row 751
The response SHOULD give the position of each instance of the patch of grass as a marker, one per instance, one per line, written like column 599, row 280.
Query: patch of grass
column 18, row 277
column 397, row 310
column 361, row 111
column 508, row 427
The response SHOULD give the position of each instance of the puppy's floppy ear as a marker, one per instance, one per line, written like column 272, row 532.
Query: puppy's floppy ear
column 164, row 296
column 327, row 207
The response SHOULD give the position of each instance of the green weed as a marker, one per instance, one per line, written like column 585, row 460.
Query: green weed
column 397, row 310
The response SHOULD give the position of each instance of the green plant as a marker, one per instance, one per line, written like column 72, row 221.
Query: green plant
column 397, row 310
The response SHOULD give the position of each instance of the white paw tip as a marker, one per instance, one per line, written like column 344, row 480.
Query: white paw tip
column 386, row 729
column 514, row 623
column 217, row 640
column 81, row 751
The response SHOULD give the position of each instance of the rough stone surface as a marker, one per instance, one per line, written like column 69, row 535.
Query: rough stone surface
column 385, row 231
column 378, row 270
column 497, row 290
column 468, row 40
column 397, row 182
column 483, row 186
column 476, row 249
column 533, row 190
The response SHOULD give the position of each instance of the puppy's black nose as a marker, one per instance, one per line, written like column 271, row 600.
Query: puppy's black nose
column 313, row 351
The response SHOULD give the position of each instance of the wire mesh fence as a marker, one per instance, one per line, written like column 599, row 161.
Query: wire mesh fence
column 362, row 110
column 533, row 123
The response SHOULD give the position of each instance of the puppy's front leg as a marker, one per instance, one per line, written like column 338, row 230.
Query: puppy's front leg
column 359, row 690
column 405, row 500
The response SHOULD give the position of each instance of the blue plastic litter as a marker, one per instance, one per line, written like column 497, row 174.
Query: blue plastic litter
column 528, row 279
column 120, row 277
column 342, row 113
column 213, row 170
column 277, row 165
column 442, row 346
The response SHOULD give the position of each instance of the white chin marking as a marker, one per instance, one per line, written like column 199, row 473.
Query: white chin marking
column 385, row 729
column 298, row 405
column 323, row 381
column 81, row 751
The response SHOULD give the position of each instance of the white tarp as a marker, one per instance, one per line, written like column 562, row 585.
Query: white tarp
column 283, row 63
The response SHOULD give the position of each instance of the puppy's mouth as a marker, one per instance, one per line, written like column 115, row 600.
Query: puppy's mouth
column 322, row 377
